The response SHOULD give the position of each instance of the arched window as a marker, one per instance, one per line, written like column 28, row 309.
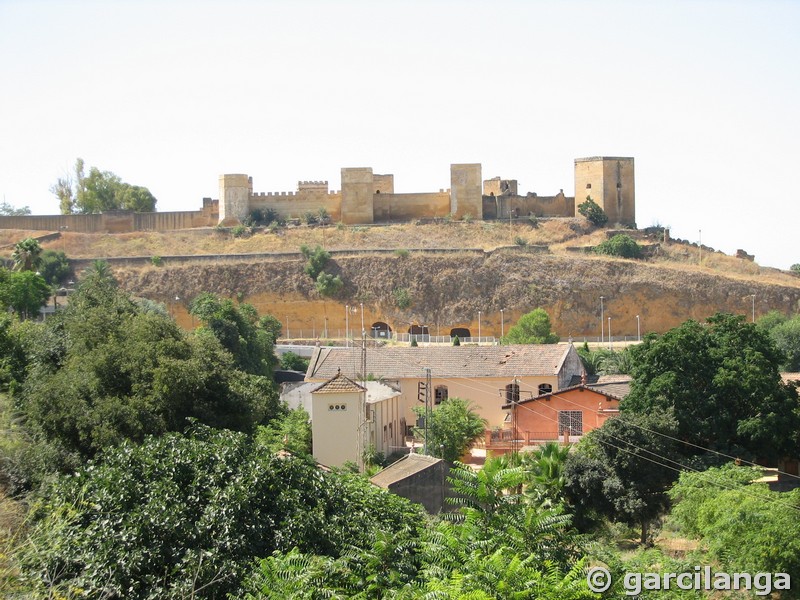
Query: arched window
column 512, row 392
column 545, row 388
column 440, row 394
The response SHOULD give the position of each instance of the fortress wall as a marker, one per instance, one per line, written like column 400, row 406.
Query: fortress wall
column 294, row 204
column 77, row 223
column 519, row 206
column 383, row 184
column 406, row 207
column 167, row 221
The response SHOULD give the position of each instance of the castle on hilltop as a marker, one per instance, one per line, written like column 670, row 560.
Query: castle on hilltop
column 367, row 197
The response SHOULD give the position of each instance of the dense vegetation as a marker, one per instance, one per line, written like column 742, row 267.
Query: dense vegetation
column 154, row 463
column 99, row 191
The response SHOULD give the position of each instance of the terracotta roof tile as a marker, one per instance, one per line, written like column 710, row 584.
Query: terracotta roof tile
column 338, row 384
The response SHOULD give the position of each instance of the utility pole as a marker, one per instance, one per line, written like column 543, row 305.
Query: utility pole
column 427, row 406
column 362, row 405
column 601, row 320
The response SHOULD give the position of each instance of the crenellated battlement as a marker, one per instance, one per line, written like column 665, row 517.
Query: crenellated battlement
column 366, row 196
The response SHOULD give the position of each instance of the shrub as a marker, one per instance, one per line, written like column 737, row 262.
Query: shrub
column 401, row 253
column 402, row 299
column 795, row 268
column 456, row 341
column 308, row 218
column 520, row 241
column 414, row 343
column 592, row 211
column 238, row 231
column 467, row 218
column 534, row 221
column 317, row 259
column 329, row 285
column 620, row 245
column 156, row 260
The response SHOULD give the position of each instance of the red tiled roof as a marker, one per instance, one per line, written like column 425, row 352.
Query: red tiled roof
column 338, row 384
column 444, row 361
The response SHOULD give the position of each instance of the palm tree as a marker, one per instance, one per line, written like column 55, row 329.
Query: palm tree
column 27, row 255
column 544, row 468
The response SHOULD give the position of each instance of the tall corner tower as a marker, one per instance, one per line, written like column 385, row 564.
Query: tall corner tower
column 234, row 198
column 609, row 181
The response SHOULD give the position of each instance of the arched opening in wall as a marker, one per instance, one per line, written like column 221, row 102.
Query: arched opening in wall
column 381, row 330
column 545, row 388
column 461, row 332
column 440, row 394
column 419, row 333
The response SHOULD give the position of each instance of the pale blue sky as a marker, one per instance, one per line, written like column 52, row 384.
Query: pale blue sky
column 704, row 95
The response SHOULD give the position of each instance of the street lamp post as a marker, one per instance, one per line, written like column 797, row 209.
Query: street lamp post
column 753, row 297
column 609, row 333
column 346, row 325
column 479, row 327
column 502, row 325
column 362, row 318
column 601, row 319
column 638, row 330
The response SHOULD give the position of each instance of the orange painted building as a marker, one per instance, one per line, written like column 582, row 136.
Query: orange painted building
column 564, row 416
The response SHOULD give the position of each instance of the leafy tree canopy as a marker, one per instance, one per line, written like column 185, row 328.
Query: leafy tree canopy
column 23, row 292
column 54, row 267
column 100, row 191
column 623, row 470
column 294, row 362
column 239, row 330
column 721, row 382
column 593, row 213
column 6, row 210
column 795, row 268
column 453, row 428
column 316, row 258
column 532, row 328
column 180, row 517
column 106, row 370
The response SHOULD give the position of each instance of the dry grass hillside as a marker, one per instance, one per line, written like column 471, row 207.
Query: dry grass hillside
column 446, row 290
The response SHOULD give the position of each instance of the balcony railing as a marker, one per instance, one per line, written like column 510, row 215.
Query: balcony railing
column 507, row 437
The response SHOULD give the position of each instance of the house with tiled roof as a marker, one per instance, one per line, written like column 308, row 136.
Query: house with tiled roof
column 338, row 406
column 563, row 416
column 489, row 376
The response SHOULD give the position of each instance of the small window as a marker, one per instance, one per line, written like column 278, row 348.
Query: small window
column 512, row 392
column 440, row 394
column 570, row 422
column 588, row 186
column 545, row 388
column 337, row 407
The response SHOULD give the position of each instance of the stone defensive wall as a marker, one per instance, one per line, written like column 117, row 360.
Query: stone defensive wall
column 294, row 204
column 501, row 207
column 122, row 221
column 407, row 207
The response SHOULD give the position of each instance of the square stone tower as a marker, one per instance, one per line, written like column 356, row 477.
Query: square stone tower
column 609, row 180
column 466, row 194
column 234, row 198
column 357, row 190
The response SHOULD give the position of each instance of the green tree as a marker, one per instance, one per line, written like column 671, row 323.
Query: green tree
column 532, row 328
column 106, row 371
column 294, row 362
column 795, row 268
column 623, row 470
column 720, row 380
column 787, row 338
column 185, row 516
column 24, row 292
column 27, row 255
column 328, row 285
column 620, row 245
column 239, row 330
column 456, row 341
column 100, row 191
column 291, row 432
column 316, row 260
column 6, row 210
column 745, row 527
column 54, row 267
column 593, row 213
column 453, row 428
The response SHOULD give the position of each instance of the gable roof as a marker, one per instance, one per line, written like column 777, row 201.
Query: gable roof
column 615, row 385
column 337, row 385
column 444, row 361
column 589, row 388
column 409, row 465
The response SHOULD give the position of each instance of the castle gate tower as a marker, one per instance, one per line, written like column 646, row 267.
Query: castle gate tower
column 609, row 181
